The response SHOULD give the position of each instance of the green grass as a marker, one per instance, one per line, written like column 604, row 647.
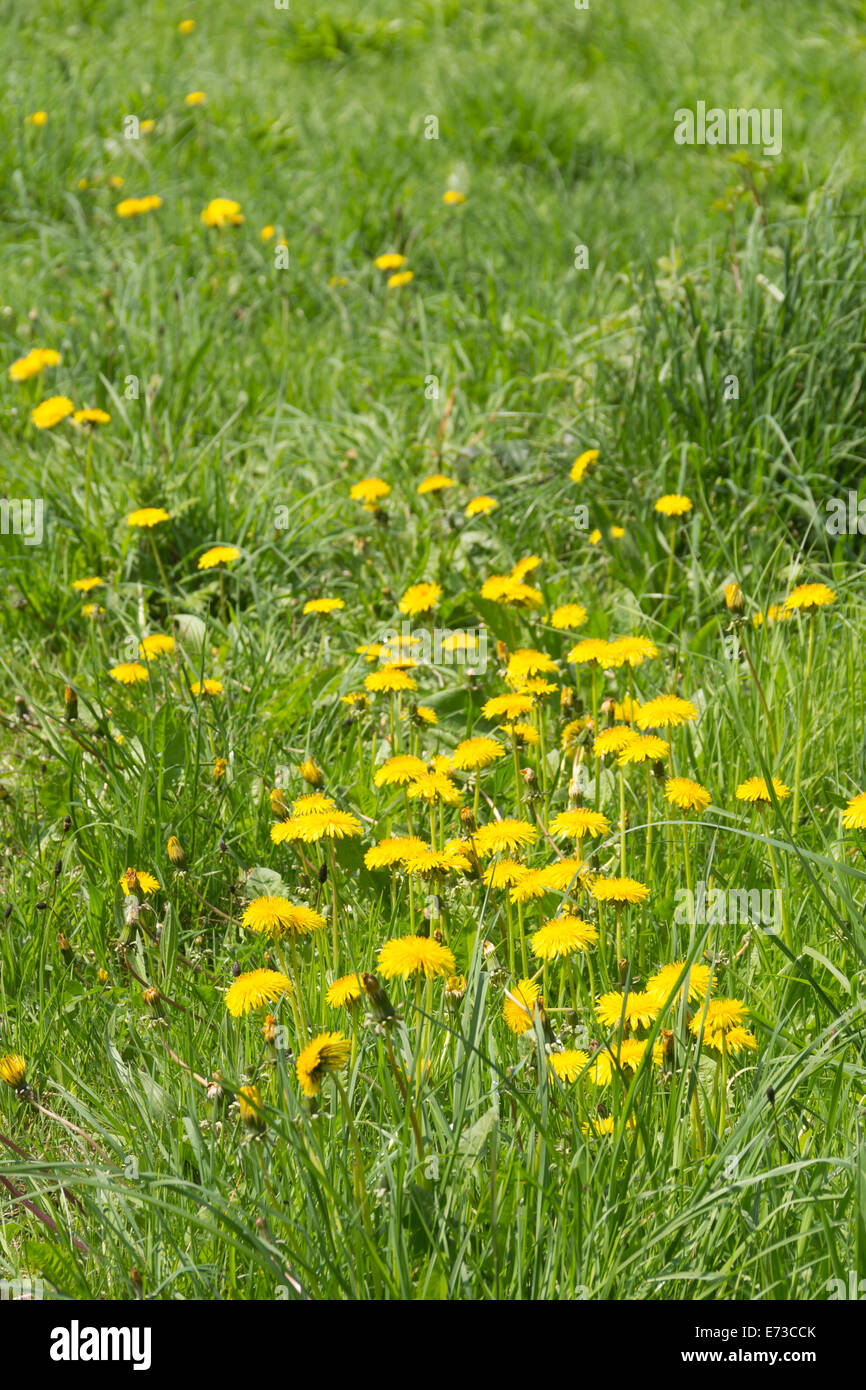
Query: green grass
column 263, row 394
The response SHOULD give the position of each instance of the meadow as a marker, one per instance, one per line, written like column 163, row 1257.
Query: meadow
column 432, row 770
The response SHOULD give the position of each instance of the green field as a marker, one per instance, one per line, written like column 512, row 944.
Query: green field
column 556, row 1084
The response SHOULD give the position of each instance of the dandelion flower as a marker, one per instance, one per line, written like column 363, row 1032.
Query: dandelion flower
column 207, row 687
column 569, row 1064
column 402, row 277
column 562, row 936
column 590, row 649
column 643, row 748
column 435, row 786
column 255, row 988
column 277, row 917
column 399, row 771
column 809, row 596
column 579, row 822
column 504, row 836
column 140, row 880
column 854, row 815
column 437, row 482
column 452, row 197
column 568, row 616
column 618, row 891
column 660, row 985
column 147, row 517
column 582, row 463
column 157, row 644
column 631, row 651
column 420, row 598
column 13, row 1070
column 323, row 605
column 84, row 586
column 481, row 506
column 324, row 1056
column 509, row 705
column 673, row 504
column 720, row 1016
column 390, row 680
column 519, row 1006
column 475, row 753
column 195, row 99
column 50, row 412
column 218, row 555
column 686, row 795
column 222, row 212
column 346, row 990
column 129, row 673
column 391, row 260
column 755, row 789
column 369, row 490
column 415, row 955
column 613, row 740
column 665, row 712
column 34, row 362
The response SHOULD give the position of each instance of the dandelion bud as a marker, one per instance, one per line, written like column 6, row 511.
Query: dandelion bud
column 269, row 1028
column 250, row 1103
column 151, row 997
column 58, row 868
column 219, row 769
column 236, row 968
column 40, row 907
column 381, row 1007
column 67, row 824
column 734, row 598
column 566, row 697
column 65, row 948
column 223, row 847
column 136, row 1280
column 502, row 652
column 8, row 913
column 311, row 773
column 279, row 805
column 323, row 873
column 102, row 976
column 467, row 820
column 771, row 1095
column 176, row 851
column 455, row 988
column 70, row 700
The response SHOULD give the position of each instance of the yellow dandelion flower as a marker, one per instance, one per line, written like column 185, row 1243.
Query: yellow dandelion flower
column 13, row 1070
column 402, row 277
column 686, row 795
column 665, row 712
column 590, row 649
column 420, row 598
column 218, row 555
column 569, row 1064
column 579, row 822
column 323, row 605
column 51, row 411
column 207, row 687
column 137, row 880
column 721, row 1015
column 147, row 517
column 34, row 362
column 437, row 482
column 399, row 771
column 324, row 1056
column 452, row 197
column 673, row 504
column 391, row 260
column 854, row 815
column 222, row 212
column 618, row 891
column 755, row 790
column 568, row 616
column 415, row 955
column 613, row 740
column 562, row 936
column 195, row 99
column 475, row 753
column 481, row 506
column 660, row 985
column 631, row 651
column 389, row 680
column 508, row 705
column 519, row 1006
column 643, row 748
column 809, row 596
column 129, row 673
column 157, row 644
column 84, row 586
column 435, row 786
column 346, row 990
column 504, row 836
column 255, row 988
column 369, row 490
column 277, row 917
column 582, row 463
